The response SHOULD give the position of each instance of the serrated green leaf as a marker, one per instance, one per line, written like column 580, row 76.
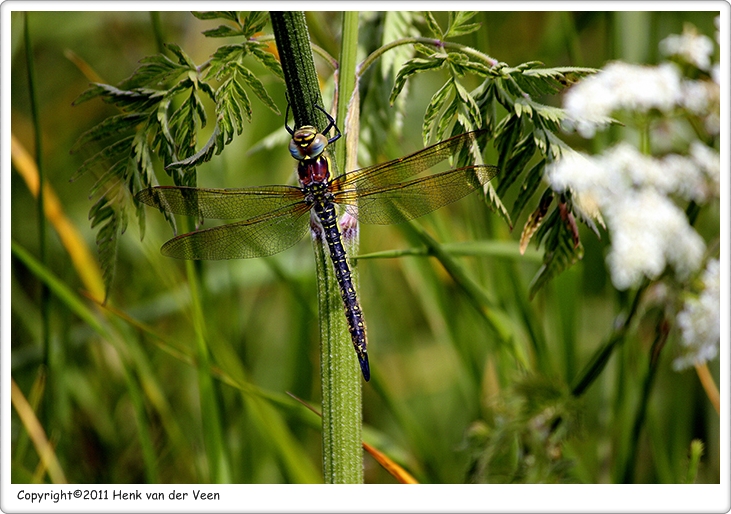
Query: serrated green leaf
column 153, row 71
column 435, row 106
column 93, row 91
column 458, row 25
column 508, row 132
column 223, row 31
column 258, row 88
column 497, row 204
column 110, row 176
column 547, row 142
column 254, row 22
column 446, row 119
column 469, row 105
column 502, row 95
column 201, row 156
column 267, row 59
column 519, row 157
column 143, row 161
column 139, row 99
column 533, row 224
column 213, row 15
column 112, row 125
column 182, row 127
column 411, row 67
column 484, row 95
column 221, row 59
column 532, row 180
column 477, row 68
column 107, row 241
column 109, row 153
column 464, row 29
column 424, row 50
column 100, row 212
column 183, row 58
column 561, row 250
column 199, row 109
column 433, row 26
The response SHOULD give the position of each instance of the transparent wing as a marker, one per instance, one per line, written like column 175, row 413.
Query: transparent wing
column 400, row 169
column 220, row 203
column 408, row 200
column 256, row 237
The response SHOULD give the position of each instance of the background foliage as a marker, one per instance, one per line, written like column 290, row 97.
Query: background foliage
column 120, row 401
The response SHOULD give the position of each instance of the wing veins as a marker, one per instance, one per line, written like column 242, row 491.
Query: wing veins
column 220, row 203
column 256, row 237
column 397, row 203
column 404, row 167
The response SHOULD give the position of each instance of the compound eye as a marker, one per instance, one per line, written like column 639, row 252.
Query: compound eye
column 296, row 150
column 317, row 146
column 307, row 143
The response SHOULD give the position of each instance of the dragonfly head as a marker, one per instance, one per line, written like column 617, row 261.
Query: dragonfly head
column 307, row 143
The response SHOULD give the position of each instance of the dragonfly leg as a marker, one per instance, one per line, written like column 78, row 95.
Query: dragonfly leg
column 330, row 125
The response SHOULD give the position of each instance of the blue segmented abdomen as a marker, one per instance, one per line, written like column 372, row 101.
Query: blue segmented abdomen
column 353, row 313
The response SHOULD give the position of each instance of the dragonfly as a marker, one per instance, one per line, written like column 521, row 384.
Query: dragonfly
column 275, row 217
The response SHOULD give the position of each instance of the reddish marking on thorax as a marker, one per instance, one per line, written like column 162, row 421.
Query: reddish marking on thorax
column 314, row 171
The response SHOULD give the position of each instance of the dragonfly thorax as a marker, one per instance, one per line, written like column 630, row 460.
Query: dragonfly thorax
column 307, row 143
column 314, row 171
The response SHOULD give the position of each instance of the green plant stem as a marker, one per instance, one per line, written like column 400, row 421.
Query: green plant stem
column 157, row 31
column 219, row 471
column 373, row 57
column 45, row 297
column 341, row 385
column 663, row 330
column 298, row 67
column 496, row 319
column 601, row 357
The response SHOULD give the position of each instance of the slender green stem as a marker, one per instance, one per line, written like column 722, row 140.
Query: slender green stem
column 663, row 330
column 157, row 31
column 45, row 297
column 219, row 471
column 368, row 61
column 601, row 357
column 341, row 384
column 496, row 319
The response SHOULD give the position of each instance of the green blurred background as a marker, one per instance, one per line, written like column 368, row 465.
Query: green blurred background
column 439, row 380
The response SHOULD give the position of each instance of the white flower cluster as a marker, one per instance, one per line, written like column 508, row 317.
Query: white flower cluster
column 621, row 86
column 700, row 321
column 690, row 46
column 634, row 88
column 649, row 231
column 634, row 192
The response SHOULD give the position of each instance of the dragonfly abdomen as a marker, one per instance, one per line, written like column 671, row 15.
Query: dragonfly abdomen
column 353, row 313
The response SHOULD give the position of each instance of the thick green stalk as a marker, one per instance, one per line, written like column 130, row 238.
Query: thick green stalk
column 341, row 383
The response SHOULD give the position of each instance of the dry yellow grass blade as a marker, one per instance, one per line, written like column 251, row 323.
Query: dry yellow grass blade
column 82, row 259
column 44, row 449
column 709, row 386
column 389, row 465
